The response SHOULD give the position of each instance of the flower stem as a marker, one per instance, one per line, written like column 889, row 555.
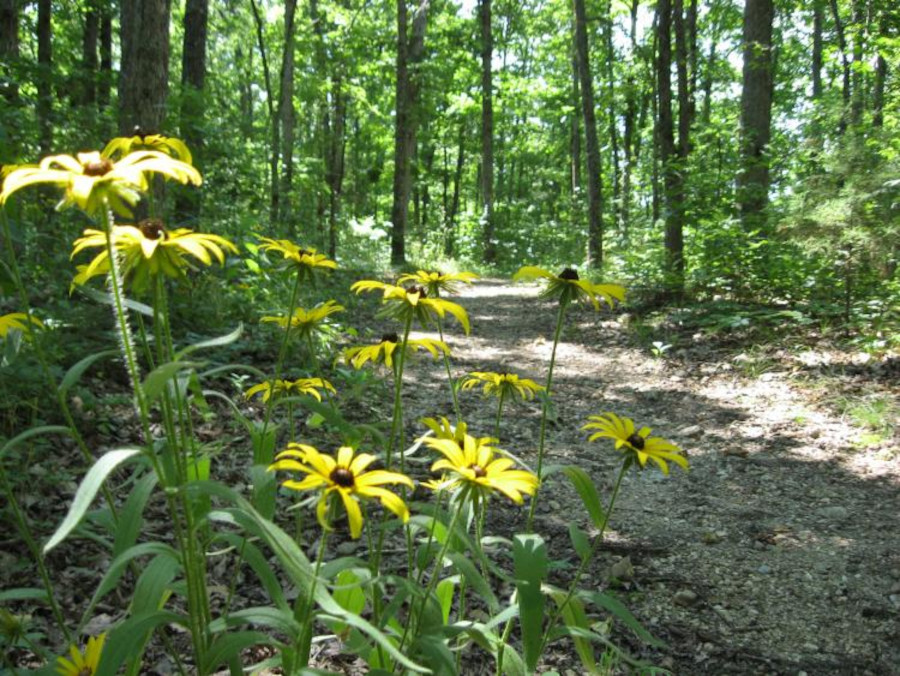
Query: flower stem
column 560, row 316
column 397, row 417
column 499, row 414
column 304, row 641
column 586, row 560
column 450, row 381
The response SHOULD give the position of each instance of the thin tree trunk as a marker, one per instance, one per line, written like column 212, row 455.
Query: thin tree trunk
column 881, row 72
column 818, row 20
column 756, row 113
column 9, row 49
column 595, row 195
column 857, row 96
column 144, row 73
column 613, row 130
column 409, row 53
column 274, row 150
column 487, row 132
column 336, row 161
column 666, row 141
column 89, row 41
column 450, row 225
column 45, row 76
column 576, row 129
column 104, row 85
column 193, row 83
column 845, row 63
column 287, row 116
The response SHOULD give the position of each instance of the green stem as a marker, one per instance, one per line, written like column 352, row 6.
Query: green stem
column 398, row 404
column 282, row 353
column 304, row 641
column 36, row 554
column 499, row 414
column 586, row 560
column 317, row 370
column 450, row 381
column 560, row 316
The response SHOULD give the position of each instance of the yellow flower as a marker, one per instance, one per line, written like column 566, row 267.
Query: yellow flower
column 436, row 282
column 307, row 260
column 345, row 476
column 82, row 664
column 402, row 303
column 567, row 286
column 93, row 182
column 17, row 321
column 123, row 145
column 306, row 321
column 506, row 385
column 476, row 472
column 635, row 444
column 443, row 429
column 310, row 386
column 384, row 351
column 148, row 249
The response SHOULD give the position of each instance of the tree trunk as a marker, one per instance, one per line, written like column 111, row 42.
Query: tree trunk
column 672, row 187
column 45, row 76
column 818, row 20
column 89, row 41
column 595, row 195
column 487, row 132
column 756, row 113
column 881, row 71
column 613, row 130
column 144, row 73
column 193, row 83
column 857, row 100
column 274, row 151
column 409, row 53
column 104, row 85
column 287, row 116
column 450, row 225
column 336, row 161
column 9, row 49
column 845, row 63
column 576, row 130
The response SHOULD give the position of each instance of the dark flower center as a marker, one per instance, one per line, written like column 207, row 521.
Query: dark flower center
column 342, row 476
column 417, row 289
column 637, row 441
column 140, row 133
column 569, row 274
column 85, row 671
column 98, row 168
column 390, row 338
column 152, row 228
column 478, row 470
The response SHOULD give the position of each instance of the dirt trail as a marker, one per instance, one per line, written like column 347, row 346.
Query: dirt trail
column 777, row 553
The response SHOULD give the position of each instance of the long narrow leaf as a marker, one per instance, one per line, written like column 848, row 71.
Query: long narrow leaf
column 124, row 642
column 73, row 375
column 531, row 566
column 227, row 339
column 33, row 432
column 86, row 492
column 587, row 491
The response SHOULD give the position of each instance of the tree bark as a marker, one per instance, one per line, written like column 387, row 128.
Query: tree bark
column 756, row 114
column 857, row 97
column 409, row 53
column 104, row 85
column 89, row 40
column 193, row 83
column 287, row 116
column 818, row 20
column 576, row 129
column 450, row 225
column 144, row 73
column 612, row 128
column 881, row 72
column 487, row 132
column 671, row 192
column 274, row 151
column 594, row 169
column 845, row 63
column 45, row 76
column 9, row 49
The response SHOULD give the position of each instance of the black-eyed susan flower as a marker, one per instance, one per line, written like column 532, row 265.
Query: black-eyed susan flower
column 279, row 388
column 345, row 476
column 406, row 303
column 123, row 145
column 502, row 385
column 305, row 260
column 442, row 428
column 472, row 469
column 82, row 663
column 149, row 249
column 635, row 444
column 305, row 322
column 436, row 283
column 18, row 321
column 94, row 183
column 383, row 351
column 568, row 287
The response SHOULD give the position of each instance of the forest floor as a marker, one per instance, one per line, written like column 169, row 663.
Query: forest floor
column 777, row 553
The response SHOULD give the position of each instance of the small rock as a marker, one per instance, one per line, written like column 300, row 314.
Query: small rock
column 764, row 570
column 685, row 597
column 811, row 647
column 622, row 570
column 691, row 431
column 834, row 512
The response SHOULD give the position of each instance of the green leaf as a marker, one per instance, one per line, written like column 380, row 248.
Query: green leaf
column 573, row 615
column 282, row 620
column 349, row 594
column 23, row 594
column 73, row 375
column 479, row 585
column 88, row 490
column 620, row 612
column 33, row 432
column 251, row 554
column 212, row 342
column 580, row 540
column 150, row 592
column 131, row 517
column 445, row 591
column 155, row 382
column 587, row 491
column 229, row 646
column 531, row 566
column 107, row 299
column 125, row 642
